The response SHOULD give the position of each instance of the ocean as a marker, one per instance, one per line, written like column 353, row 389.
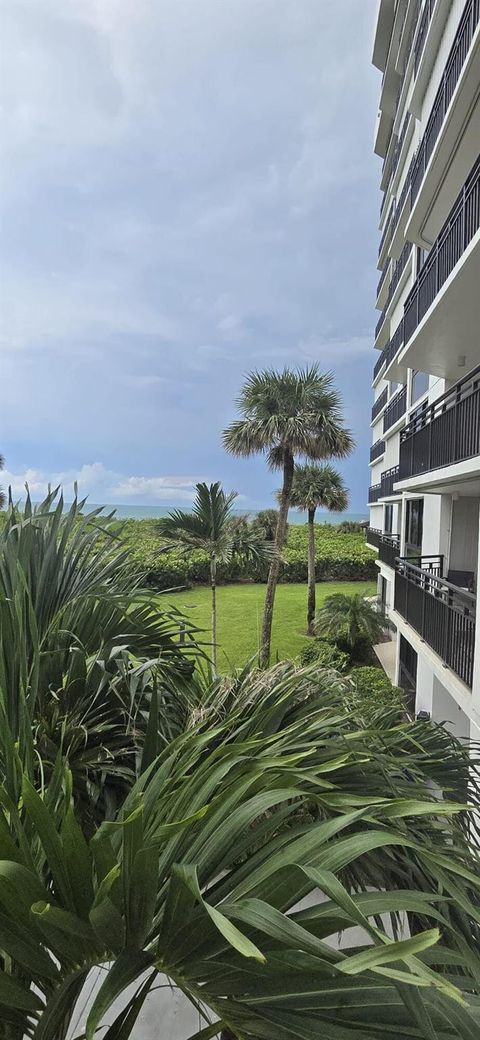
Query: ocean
column 130, row 512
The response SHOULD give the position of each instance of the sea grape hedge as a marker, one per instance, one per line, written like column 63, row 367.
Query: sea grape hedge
column 339, row 556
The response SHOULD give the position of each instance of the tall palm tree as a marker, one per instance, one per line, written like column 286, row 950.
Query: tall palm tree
column 211, row 526
column 285, row 415
column 316, row 487
column 351, row 618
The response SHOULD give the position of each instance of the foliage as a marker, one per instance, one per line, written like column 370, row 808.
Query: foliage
column 325, row 655
column 2, row 493
column 318, row 487
column 373, row 690
column 265, row 524
column 271, row 794
column 351, row 619
column 82, row 651
column 338, row 557
column 351, row 527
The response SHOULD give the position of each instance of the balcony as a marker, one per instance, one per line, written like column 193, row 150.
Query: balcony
column 387, row 479
column 422, row 32
column 451, row 75
column 396, row 407
column 441, row 613
column 450, row 142
column 379, row 404
column 377, row 450
column 389, row 549
column 398, row 270
column 443, row 308
column 374, row 493
column 445, row 432
column 373, row 537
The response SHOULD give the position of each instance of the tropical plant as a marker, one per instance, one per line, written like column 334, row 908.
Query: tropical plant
column 83, row 651
column 212, row 527
column 352, row 527
column 265, row 523
column 272, row 794
column 316, row 487
column 324, row 655
column 2, row 493
column 351, row 620
column 373, row 690
column 285, row 415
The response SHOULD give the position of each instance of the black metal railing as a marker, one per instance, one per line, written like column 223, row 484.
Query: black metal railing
column 448, row 82
column 382, row 277
column 422, row 32
column 389, row 549
column 387, row 228
column 374, row 493
column 397, row 271
column 379, row 363
column 444, row 432
column 377, row 450
column 373, row 537
column 387, row 480
column 393, row 346
column 461, row 226
column 441, row 613
column 379, row 403
column 396, row 407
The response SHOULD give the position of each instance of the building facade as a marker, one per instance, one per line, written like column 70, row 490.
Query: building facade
column 424, row 494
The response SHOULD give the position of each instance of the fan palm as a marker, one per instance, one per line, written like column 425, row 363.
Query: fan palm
column 285, row 415
column 273, row 794
column 211, row 526
column 316, row 487
column 351, row 618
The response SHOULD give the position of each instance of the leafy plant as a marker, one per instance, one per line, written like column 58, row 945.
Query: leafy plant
column 211, row 527
column 285, row 415
column 272, row 794
column 374, row 691
column 265, row 523
column 316, row 487
column 351, row 621
column 83, row 651
column 325, row 655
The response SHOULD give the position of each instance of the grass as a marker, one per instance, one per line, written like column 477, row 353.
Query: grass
column 240, row 616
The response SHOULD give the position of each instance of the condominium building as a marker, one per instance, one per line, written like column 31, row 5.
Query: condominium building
column 424, row 493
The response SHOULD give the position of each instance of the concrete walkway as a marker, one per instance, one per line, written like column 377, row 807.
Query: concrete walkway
column 386, row 653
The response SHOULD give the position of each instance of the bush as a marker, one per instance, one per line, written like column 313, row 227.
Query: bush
column 325, row 654
column 374, row 690
column 340, row 557
column 351, row 527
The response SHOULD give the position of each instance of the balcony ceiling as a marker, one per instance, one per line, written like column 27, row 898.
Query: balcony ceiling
column 383, row 32
column 449, row 330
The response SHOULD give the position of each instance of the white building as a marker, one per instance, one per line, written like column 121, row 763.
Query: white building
column 425, row 458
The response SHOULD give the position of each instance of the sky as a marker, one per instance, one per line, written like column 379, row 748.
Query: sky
column 188, row 192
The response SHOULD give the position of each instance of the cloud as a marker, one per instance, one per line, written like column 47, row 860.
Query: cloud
column 102, row 485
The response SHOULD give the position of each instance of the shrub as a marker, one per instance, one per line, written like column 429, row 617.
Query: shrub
column 374, row 690
column 326, row 655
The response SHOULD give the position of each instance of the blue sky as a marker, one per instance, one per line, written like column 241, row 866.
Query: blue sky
column 188, row 191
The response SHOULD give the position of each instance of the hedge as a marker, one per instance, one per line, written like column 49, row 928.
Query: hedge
column 340, row 556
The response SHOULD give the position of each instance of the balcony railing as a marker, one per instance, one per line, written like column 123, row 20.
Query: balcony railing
column 389, row 549
column 374, row 536
column 382, row 277
column 374, row 493
column 377, row 368
column 379, row 404
column 461, row 226
column 449, row 80
column 441, row 613
column 422, row 32
column 446, row 431
column 396, row 407
column 406, row 190
column 398, row 269
column 399, row 145
column 387, row 229
column 387, row 480
column 377, row 450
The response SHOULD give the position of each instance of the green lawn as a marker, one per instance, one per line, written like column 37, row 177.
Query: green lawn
column 240, row 616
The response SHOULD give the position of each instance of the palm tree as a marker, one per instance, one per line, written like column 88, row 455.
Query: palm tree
column 351, row 619
column 285, row 415
column 211, row 526
column 316, row 487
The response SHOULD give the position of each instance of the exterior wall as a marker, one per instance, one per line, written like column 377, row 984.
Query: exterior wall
column 451, row 519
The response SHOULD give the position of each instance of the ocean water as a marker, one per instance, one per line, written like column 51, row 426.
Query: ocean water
column 131, row 512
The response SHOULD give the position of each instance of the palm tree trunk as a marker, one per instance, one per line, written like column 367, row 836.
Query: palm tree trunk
column 213, row 582
column 280, row 537
column 311, row 605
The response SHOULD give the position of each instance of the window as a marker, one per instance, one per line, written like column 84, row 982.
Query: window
column 414, row 527
column 419, row 385
column 383, row 592
column 388, row 519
